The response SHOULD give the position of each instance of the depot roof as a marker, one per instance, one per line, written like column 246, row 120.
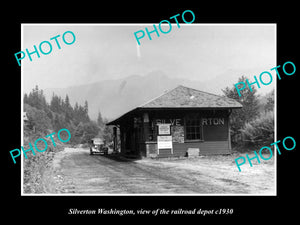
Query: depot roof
column 188, row 98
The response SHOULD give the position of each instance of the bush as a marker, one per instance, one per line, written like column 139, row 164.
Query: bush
column 38, row 119
column 261, row 130
column 35, row 166
column 84, row 132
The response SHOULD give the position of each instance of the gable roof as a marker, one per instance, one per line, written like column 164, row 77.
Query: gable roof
column 184, row 97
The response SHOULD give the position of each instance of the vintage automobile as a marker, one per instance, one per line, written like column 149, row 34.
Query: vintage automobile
column 97, row 145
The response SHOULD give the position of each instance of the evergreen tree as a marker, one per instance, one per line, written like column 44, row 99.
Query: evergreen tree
column 68, row 110
column 107, row 132
column 58, row 123
column 67, row 103
column 79, row 130
column 86, row 131
column 55, row 103
column 60, row 114
column 76, row 107
column 86, row 117
column 81, row 114
column 90, row 131
column 270, row 102
column 36, row 98
column 75, row 114
column 25, row 99
column 249, row 100
column 100, row 120
column 86, row 107
column 62, row 105
column 68, row 117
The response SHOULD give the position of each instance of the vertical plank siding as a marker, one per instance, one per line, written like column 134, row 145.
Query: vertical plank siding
column 215, row 138
column 180, row 149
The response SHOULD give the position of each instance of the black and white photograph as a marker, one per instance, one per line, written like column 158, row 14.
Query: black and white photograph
column 139, row 111
column 143, row 109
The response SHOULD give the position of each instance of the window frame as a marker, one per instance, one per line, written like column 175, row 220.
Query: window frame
column 193, row 116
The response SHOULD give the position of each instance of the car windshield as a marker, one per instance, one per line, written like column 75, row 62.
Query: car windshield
column 98, row 142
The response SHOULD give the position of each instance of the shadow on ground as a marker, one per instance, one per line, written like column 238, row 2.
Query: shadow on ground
column 121, row 157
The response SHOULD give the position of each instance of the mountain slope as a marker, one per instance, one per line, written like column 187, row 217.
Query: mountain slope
column 115, row 97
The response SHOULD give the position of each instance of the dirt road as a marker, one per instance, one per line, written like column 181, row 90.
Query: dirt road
column 75, row 171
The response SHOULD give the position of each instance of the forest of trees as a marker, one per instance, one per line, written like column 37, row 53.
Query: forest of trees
column 254, row 123
column 45, row 118
column 59, row 113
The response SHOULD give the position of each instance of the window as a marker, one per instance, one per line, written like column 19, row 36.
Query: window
column 193, row 128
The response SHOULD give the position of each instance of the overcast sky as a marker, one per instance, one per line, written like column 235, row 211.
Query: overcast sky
column 101, row 52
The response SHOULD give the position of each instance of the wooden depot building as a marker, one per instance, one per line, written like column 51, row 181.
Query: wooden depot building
column 179, row 122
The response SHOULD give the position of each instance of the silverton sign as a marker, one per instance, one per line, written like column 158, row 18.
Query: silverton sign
column 212, row 121
column 173, row 122
column 205, row 121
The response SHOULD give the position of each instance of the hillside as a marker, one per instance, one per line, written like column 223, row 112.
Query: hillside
column 115, row 97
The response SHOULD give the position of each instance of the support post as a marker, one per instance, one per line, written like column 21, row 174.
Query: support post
column 115, row 139
column 146, row 131
column 229, row 136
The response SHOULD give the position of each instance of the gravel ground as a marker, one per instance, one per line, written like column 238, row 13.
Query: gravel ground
column 76, row 172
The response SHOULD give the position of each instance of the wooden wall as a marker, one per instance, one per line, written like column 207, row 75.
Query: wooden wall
column 180, row 149
column 215, row 135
